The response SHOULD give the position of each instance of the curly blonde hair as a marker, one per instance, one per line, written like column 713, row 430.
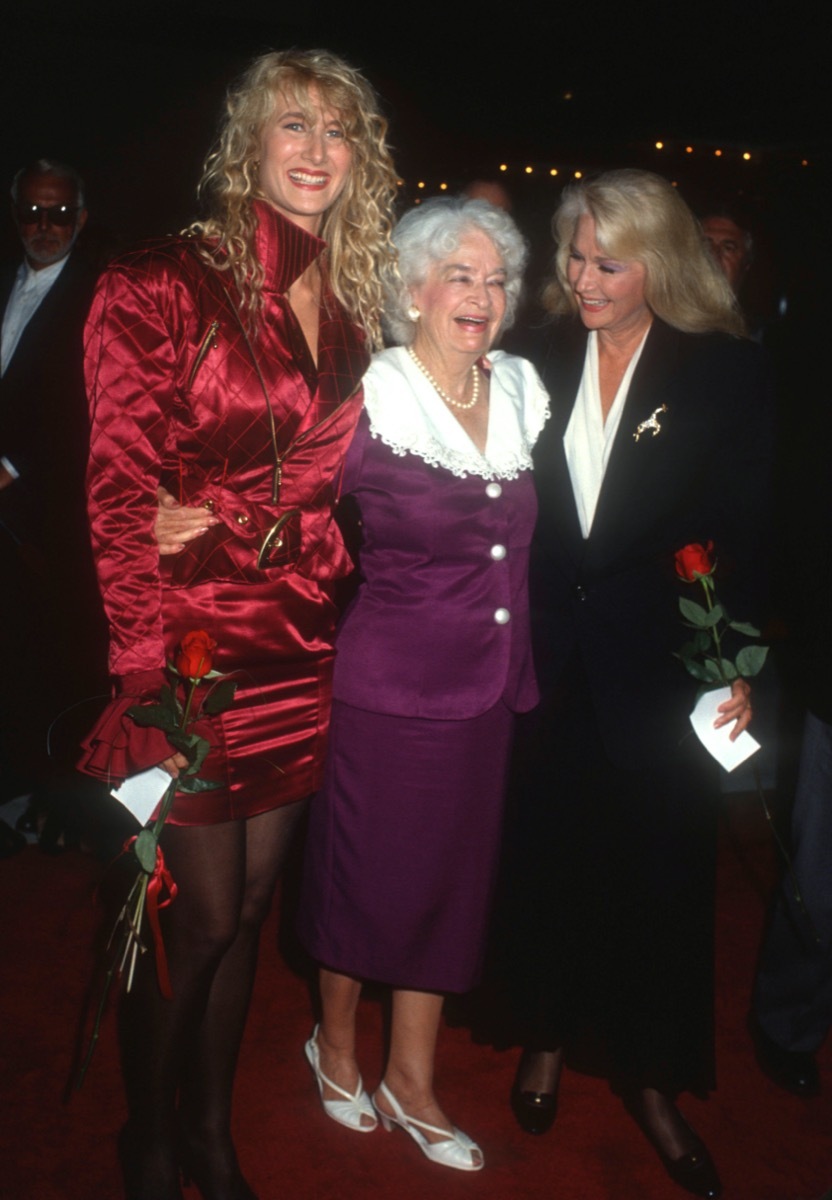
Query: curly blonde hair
column 357, row 226
column 639, row 215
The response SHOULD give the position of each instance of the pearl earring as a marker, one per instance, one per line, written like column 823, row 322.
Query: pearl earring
column 413, row 313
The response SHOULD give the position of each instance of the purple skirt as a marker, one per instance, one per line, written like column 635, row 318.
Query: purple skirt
column 403, row 845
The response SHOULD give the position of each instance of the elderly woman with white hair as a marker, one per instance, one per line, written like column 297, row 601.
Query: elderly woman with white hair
column 433, row 661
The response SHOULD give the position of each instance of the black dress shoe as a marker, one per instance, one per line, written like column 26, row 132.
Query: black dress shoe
column 217, row 1176
column 695, row 1172
column 794, row 1070
column 535, row 1111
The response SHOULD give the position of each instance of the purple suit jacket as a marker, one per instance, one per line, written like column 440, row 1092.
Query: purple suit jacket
column 440, row 625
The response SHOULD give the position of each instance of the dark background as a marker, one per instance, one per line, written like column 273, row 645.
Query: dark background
column 131, row 93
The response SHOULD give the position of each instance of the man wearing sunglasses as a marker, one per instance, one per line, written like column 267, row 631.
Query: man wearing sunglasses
column 49, row 212
column 48, row 601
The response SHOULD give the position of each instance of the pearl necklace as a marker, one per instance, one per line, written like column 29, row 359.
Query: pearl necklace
column 461, row 404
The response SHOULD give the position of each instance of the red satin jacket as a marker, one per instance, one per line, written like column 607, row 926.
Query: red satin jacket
column 183, row 394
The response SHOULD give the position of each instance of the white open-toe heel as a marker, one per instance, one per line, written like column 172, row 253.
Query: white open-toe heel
column 353, row 1107
column 455, row 1150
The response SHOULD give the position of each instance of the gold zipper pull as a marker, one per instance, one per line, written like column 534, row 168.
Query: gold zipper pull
column 209, row 342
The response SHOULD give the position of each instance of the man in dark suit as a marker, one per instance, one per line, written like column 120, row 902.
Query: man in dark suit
column 792, row 1004
column 44, row 304
column 50, row 628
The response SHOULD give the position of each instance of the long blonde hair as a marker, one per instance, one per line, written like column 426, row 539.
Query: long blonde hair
column 639, row 215
column 357, row 226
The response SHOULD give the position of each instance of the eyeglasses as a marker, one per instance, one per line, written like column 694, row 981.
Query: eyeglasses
column 56, row 214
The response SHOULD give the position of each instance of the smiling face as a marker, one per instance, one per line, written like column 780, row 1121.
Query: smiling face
column 304, row 160
column 45, row 242
column 462, row 302
column 609, row 291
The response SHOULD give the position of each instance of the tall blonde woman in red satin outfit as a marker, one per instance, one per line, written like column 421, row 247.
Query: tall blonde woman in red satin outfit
column 225, row 366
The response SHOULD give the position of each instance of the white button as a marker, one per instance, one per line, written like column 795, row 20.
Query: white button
column 497, row 552
column 493, row 490
column 502, row 616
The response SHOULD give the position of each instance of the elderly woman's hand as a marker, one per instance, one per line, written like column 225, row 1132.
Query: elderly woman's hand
column 176, row 524
column 738, row 709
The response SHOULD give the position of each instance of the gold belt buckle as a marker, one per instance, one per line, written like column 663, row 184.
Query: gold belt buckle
column 273, row 540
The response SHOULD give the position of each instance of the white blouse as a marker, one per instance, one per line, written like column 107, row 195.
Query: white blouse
column 589, row 439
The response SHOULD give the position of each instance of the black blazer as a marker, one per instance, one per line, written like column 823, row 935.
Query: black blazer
column 612, row 599
column 44, row 428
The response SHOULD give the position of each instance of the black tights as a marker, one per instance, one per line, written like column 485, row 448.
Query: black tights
column 187, row 1047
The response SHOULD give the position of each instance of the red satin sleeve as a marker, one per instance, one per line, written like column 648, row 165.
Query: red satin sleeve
column 130, row 371
column 117, row 747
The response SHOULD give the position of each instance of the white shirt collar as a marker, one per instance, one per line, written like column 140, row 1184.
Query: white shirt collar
column 28, row 289
column 407, row 414
column 43, row 279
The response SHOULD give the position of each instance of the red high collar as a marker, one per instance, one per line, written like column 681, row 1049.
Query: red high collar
column 284, row 249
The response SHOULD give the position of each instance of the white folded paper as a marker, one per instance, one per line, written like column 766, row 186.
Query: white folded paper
column 717, row 741
column 140, row 794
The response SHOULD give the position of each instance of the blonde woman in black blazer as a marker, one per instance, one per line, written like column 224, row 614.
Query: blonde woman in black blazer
column 660, row 437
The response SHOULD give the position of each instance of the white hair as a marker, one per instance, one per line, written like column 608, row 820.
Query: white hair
column 46, row 166
column 431, row 233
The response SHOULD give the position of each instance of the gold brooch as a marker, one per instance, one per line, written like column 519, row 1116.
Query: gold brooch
column 652, row 423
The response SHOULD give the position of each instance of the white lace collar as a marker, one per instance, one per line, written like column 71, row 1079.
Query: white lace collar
column 408, row 416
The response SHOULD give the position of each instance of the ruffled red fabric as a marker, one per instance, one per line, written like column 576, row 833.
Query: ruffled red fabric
column 117, row 747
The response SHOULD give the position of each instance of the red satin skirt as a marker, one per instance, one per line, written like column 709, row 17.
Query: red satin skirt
column 275, row 639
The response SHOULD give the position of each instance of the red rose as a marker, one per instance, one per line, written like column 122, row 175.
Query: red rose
column 694, row 558
column 193, row 658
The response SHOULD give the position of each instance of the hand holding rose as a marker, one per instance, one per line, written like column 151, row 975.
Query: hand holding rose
column 704, row 656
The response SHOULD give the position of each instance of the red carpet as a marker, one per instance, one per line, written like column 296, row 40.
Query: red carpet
column 767, row 1144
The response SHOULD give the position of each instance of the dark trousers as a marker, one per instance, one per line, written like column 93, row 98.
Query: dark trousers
column 793, row 991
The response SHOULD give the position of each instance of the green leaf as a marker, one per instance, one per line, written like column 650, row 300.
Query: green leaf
column 152, row 715
column 693, row 612
column 200, row 753
column 712, row 670
column 186, row 742
column 197, row 785
column 714, row 616
column 744, row 627
column 729, row 671
column 169, row 700
column 220, row 697
column 702, row 641
column 750, row 660
column 144, row 849
column 698, row 671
